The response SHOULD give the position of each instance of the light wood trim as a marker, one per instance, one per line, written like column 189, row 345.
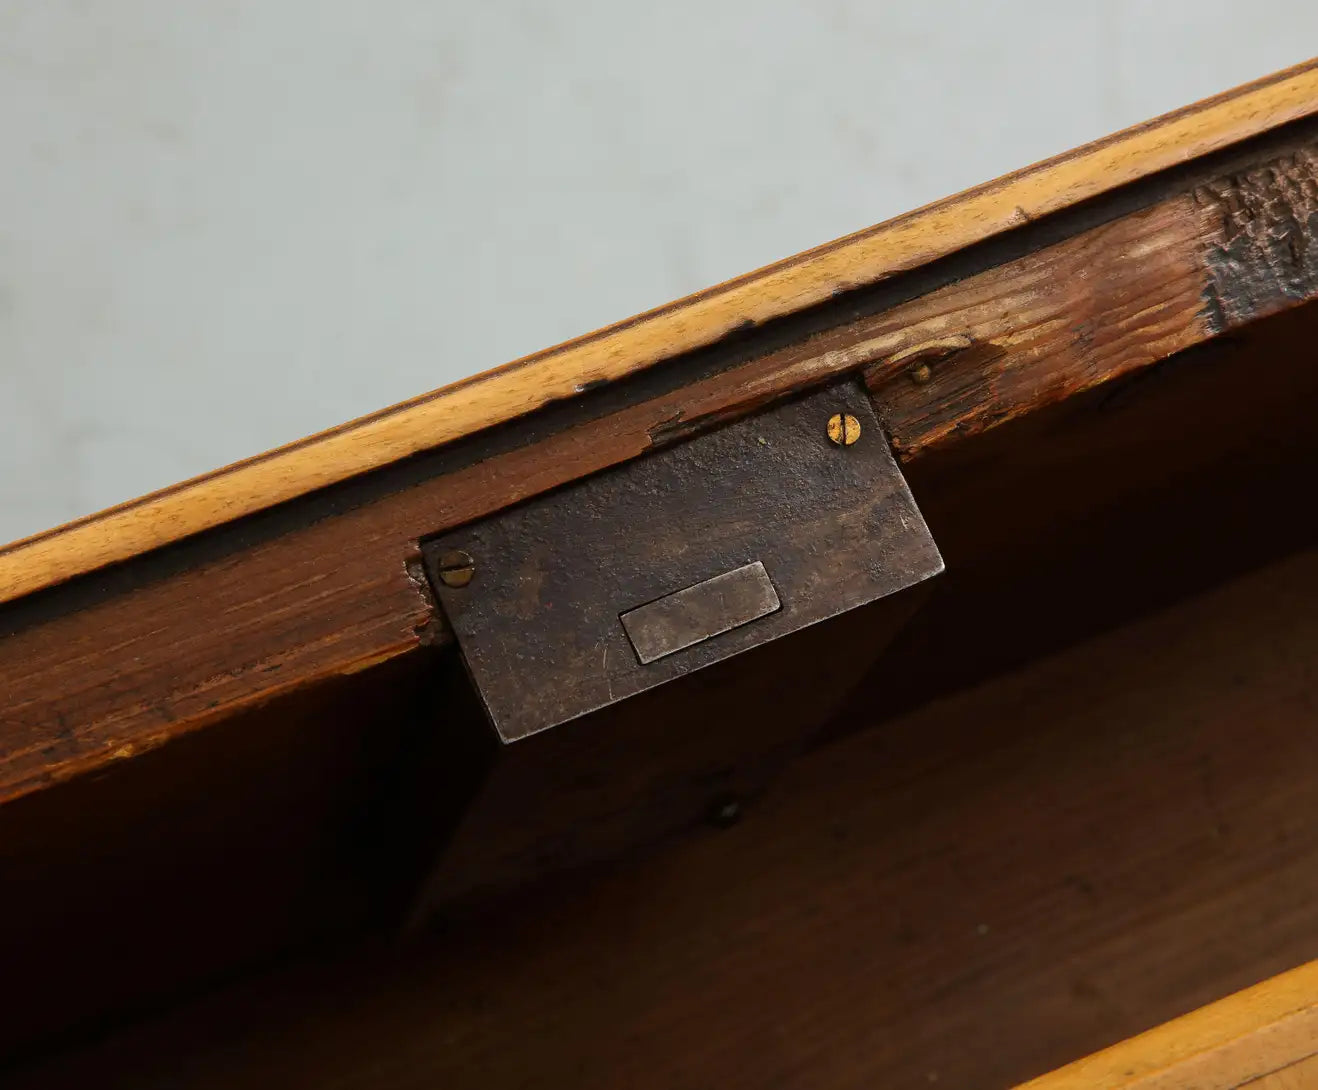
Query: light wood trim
column 1299, row 1076
column 612, row 353
column 1266, row 1030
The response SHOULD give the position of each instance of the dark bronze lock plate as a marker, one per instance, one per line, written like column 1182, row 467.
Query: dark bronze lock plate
column 639, row 575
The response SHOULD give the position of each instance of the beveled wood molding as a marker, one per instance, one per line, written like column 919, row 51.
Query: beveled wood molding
column 1264, row 1037
column 104, row 668
column 789, row 287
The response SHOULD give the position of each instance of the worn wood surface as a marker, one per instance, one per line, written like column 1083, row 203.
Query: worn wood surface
column 1265, row 1037
column 164, row 873
column 1126, row 499
column 114, row 664
column 969, row 896
column 1105, row 303
column 1262, row 222
column 1057, row 524
column 241, row 628
column 1301, row 1075
column 703, row 319
column 662, row 765
column 837, row 528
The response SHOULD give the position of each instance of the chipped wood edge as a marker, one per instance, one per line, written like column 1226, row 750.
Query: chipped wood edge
column 1029, row 331
column 521, row 387
column 1247, row 1036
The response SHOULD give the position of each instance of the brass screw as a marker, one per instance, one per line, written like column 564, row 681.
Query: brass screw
column 921, row 373
column 456, row 568
column 843, row 429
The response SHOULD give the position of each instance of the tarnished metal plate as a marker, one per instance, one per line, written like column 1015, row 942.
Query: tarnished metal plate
column 539, row 616
column 683, row 619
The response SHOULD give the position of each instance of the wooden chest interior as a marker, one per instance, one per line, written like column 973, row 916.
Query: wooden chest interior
column 1074, row 797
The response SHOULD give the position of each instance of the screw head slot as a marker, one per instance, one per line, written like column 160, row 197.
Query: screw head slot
column 843, row 429
column 456, row 568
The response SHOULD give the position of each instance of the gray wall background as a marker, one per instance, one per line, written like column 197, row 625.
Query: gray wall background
column 227, row 224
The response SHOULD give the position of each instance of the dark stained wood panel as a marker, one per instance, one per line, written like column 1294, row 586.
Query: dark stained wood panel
column 125, row 660
column 255, row 739
column 154, row 876
column 967, row 896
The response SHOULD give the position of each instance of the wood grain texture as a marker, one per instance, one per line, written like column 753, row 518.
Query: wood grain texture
column 1302, row 1075
column 1046, row 327
column 1045, row 499
column 129, row 672
column 970, row 895
column 1263, row 1037
column 269, row 832
column 324, row 588
column 703, row 319
column 1106, row 303
column 1129, row 498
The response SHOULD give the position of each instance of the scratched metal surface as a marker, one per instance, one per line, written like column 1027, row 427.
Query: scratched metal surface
column 539, row 622
column 701, row 612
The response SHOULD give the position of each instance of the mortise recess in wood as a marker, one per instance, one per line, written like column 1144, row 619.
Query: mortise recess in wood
column 123, row 661
column 788, row 287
